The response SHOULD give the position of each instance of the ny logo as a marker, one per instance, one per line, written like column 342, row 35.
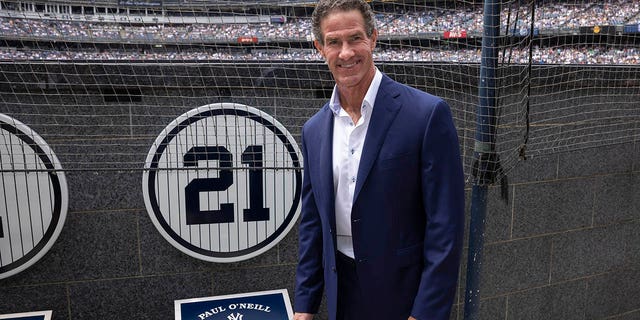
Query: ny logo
column 236, row 316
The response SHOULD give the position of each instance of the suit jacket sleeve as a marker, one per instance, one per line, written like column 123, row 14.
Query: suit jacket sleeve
column 309, row 273
column 443, row 196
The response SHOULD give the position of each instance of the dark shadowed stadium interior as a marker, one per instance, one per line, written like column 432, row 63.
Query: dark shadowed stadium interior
column 99, row 81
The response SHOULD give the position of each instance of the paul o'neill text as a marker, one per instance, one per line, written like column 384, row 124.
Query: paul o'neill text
column 234, row 306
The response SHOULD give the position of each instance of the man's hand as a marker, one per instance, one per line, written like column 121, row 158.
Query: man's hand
column 302, row 316
column 412, row 318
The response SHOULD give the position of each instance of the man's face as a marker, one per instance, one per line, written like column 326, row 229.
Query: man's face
column 347, row 49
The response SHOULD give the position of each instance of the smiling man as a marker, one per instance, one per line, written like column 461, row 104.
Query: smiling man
column 383, row 192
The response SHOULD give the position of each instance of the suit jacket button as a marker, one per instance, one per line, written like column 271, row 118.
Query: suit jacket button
column 333, row 269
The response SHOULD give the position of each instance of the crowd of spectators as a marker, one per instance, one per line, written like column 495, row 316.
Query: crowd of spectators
column 403, row 22
column 297, row 30
column 565, row 55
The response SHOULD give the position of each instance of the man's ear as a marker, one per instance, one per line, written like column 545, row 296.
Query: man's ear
column 374, row 38
column 319, row 47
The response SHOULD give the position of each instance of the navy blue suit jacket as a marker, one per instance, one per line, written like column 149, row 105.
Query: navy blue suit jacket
column 408, row 209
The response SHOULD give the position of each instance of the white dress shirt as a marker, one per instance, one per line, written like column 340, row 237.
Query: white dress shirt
column 348, row 140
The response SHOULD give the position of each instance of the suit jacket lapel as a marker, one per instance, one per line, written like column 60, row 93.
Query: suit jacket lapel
column 326, row 165
column 384, row 112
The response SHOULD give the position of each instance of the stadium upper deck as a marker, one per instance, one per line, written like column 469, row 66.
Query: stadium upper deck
column 27, row 24
column 23, row 21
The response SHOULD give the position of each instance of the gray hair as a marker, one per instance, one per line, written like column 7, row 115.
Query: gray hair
column 325, row 7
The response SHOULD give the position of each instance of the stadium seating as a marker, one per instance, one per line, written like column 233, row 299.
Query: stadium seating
column 207, row 41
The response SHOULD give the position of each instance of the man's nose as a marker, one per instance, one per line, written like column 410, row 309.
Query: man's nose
column 346, row 51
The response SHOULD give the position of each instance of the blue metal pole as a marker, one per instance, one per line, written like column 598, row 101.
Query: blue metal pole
column 474, row 258
column 484, row 153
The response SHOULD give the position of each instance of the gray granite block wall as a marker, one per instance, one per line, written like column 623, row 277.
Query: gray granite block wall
column 566, row 244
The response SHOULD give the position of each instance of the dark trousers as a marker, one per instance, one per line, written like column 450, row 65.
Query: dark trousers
column 350, row 304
